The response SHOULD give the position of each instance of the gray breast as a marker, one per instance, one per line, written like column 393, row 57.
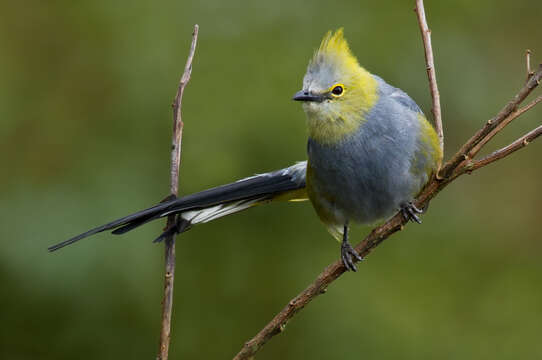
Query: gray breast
column 367, row 174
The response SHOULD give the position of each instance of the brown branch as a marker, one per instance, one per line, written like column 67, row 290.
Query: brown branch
column 475, row 150
column 317, row 287
column 505, row 151
column 430, row 67
column 176, row 142
column 451, row 170
column 465, row 152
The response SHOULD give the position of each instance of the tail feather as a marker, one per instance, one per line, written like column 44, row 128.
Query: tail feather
column 111, row 225
column 211, row 204
column 134, row 224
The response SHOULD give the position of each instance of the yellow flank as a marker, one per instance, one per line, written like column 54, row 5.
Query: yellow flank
column 344, row 114
column 295, row 195
column 429, row 136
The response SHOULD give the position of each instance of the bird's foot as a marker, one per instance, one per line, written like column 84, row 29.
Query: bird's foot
column 411, row 212
column 348, row 253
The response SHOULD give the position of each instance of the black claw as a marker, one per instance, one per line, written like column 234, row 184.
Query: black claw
column 347, row 252
column 410, row 212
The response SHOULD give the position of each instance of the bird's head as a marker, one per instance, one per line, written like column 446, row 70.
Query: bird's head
column 337, row 91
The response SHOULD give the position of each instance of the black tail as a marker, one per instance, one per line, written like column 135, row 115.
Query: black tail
column 210, row 204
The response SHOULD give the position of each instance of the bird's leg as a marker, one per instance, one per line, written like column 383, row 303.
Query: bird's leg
column 411, row 212
column 347, row 252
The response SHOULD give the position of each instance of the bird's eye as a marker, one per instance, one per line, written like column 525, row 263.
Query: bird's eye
column 337, row 90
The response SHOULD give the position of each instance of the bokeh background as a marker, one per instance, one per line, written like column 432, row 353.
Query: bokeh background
column 85, row 95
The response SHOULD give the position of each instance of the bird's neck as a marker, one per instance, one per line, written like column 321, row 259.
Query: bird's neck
column 330, row 123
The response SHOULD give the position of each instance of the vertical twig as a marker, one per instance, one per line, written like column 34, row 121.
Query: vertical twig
column 167, row 302
column 430, row 67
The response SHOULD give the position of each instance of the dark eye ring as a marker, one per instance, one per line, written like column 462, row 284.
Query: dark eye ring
column 337, row 90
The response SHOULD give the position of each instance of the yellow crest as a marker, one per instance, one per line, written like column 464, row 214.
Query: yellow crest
column 334, row 49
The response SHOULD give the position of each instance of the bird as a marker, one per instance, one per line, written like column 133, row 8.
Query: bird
column 370, row 151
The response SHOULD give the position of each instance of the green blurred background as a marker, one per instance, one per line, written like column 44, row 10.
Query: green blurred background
column 85, row 134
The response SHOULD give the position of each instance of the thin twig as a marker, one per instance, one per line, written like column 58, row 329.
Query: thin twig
column 430, row 67
column 475, row 150
column 176, row 142
column 462, row 154
column 507, row 150
column 452, row 169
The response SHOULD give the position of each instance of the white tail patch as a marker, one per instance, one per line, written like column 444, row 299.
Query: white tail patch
column 217, row 211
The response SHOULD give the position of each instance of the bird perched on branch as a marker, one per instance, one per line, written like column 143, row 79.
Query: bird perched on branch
column 370, row 152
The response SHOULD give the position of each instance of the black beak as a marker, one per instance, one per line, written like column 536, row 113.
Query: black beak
column 303, row 95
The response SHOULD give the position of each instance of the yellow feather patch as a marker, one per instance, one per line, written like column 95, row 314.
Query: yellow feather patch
column 334, row 48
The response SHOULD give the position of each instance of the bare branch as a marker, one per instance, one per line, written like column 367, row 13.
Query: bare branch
column 475, row 150
column 430, row 67
column 317, row 287
column 176, row 142
column 177, row 121
column 507, row 150
column 463, row 154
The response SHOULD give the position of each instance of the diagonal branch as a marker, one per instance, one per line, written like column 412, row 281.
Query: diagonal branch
column 430, row 67
column 507, row 150
column 169, row 276
column 465, row 152
column 475, row 150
